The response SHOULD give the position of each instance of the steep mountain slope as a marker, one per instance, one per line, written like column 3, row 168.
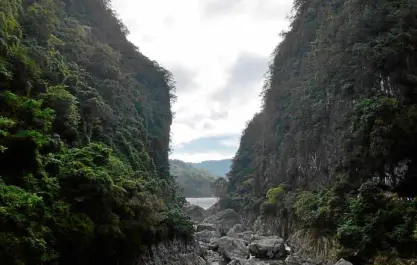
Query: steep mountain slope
column 215, row 167
column 84, row 138
column 193, row 181
column 335, row 141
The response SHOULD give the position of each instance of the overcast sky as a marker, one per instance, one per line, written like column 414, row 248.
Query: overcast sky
column 218, row 52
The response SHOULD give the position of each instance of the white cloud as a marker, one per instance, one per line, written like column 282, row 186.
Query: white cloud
column 201, row 40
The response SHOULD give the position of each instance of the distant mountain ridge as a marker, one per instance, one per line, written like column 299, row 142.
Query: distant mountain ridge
column 216, row 167
column 194, row 182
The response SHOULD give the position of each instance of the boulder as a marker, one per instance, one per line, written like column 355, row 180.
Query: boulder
column 245, row 235
column 268, row 247
column 203, row 226
column 343, row 262
column 238, row 228
column 213, row 244
column 195, row 212
column 224, row 220
column 247, row 262
column 206, row 235
column 212, row 257
column 232, row 248
column 215, row 208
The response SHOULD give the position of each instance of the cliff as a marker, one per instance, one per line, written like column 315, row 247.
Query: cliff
column 332, row 149
column 84, row 138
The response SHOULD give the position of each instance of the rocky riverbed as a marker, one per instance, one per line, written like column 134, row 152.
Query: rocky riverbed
column 223, row 239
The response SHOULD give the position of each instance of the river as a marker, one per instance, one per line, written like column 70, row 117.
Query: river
column 204, row 203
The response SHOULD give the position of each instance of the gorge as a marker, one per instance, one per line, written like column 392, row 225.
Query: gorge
column 324, row 174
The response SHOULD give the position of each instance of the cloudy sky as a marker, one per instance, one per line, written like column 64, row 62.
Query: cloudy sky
column 218, row 52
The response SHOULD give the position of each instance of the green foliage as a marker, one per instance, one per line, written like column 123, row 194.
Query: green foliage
column 193, row 181
column 338, row 127
column 23, row 233
column 273, row 194
column 84, row 138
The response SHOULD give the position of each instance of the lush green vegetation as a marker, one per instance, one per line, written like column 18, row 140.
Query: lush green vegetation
column 194, row 182
column 84, row 138
column 333, row 149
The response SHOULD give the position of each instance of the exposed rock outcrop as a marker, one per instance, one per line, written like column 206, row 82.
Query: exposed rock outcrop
column 265, row 226
column 315, row 249
column 232, row 248
column 224, row 220
column 176, row 252
column 268, row 247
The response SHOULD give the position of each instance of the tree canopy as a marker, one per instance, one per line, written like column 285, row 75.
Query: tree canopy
column 337, row 131
column 84, row 138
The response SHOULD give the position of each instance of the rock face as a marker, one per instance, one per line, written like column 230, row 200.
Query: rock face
column 175, row 252
column 232, row 248
column 315, row 250
column 224, row 220
column 268, row 247
column 195, row 212
column 268, row 227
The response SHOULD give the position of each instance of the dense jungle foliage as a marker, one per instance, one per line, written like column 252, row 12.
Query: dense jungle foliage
column 193, row 181
column 84, row 138
column 334, row 147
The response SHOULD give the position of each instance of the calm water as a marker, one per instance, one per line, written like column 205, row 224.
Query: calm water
column 204, row 203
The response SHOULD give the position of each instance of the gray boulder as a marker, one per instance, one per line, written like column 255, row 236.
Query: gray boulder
column 209, row 227
column 268, row 247
column 206, row 235
column 247, row 235
column 213, row 257
column 224, row 220
column 238, row 228
column 213, row 244
column 232, row 248
column 195, row 212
